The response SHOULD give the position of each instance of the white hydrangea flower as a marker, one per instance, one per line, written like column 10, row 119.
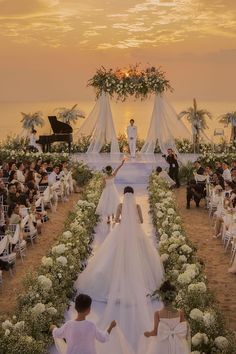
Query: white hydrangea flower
column 182, row 259
column 6, row 325
column 67, row 234
column 159, row 214
column 176, row 233
column 208, row 319
column 51, row 310
column 196, row 315
column 200, row 287
column 47, row 261
column 172, row 247
column 186, row 249
column 164, row 257
column 38, row 309
column 59, row 249
column 165, row 223
column 221, row 342
column 19, row 325
column 7, row 332
column 62, row 260
column 175, row 227
column 45, row 282
column 199, row 338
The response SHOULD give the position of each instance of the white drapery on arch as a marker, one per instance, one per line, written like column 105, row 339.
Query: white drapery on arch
column 164, row 127
column 100, row 126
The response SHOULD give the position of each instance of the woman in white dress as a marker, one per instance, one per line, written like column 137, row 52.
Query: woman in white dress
column 109, row 199
column 170, row 328
column 124, row 270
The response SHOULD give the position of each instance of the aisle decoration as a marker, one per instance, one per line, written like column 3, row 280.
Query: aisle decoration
column 185, row 271
column 49, row 290
column 132, row 81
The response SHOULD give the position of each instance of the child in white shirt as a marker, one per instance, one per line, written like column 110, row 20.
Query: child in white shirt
column 80, row 334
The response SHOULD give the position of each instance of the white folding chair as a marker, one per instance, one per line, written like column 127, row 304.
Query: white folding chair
column 14, row 239
column 29, row 230
column 6, row 253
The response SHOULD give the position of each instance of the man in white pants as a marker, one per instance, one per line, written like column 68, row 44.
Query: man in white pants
column 132, row 136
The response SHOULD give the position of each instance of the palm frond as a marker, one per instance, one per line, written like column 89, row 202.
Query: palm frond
column 69, row 115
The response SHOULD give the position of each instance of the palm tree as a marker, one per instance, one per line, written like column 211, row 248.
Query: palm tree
column 197, row 118
column 229, row 118
column 30, row 120
column 69, row 115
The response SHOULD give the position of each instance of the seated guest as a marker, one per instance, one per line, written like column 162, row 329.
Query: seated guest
column 218, row 167
column 30, row 177
column 44, row 179
column 12, row 196
column 49, row 166
column 165, row 176
column 209, row 173
column 217, row 179
column 226, row 172
column 194, row 191
column 14, row 214
column 12, row 166
column 13, row 177
column 198, row 169
column 54, row 176
column 20, row 172
column 3, row 192
column 233, row 166
column 38, row 164
column 5, row 170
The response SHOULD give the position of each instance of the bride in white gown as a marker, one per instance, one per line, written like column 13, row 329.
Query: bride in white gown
column 126, row 258
column 124, row 270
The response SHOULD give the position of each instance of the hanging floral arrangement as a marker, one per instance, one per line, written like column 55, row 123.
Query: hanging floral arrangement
column 133, row 81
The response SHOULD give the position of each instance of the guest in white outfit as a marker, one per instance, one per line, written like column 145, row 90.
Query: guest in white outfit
column 226, row 172
column 132, row 137
column 54, row 176
column 81, row 334
column 33, row 141
column 170, row 326
column 109, row 199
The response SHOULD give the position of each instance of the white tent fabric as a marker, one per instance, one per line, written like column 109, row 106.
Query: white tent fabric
column 164, row 127
column 100, row 126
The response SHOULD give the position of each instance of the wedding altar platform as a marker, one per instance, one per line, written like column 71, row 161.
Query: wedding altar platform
column 135, row 170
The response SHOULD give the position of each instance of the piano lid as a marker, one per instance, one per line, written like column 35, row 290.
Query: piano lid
column 59, row 127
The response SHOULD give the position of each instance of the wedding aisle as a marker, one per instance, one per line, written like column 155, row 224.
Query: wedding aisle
column 199, row 230
column 102, row 229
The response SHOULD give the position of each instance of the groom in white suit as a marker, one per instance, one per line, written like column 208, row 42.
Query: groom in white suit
column 132, row 136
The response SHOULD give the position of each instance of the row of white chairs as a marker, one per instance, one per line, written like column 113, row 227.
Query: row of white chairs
column 12, row 244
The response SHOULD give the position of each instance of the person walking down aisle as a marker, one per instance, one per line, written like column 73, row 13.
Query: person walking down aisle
column 109, row 199
column 80, row 334
column 170, row 327
column 171, row 159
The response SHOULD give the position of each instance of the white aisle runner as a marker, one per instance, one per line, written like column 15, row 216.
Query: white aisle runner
column 98, row 308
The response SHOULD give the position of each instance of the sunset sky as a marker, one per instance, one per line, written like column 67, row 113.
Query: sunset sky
column 50, row 48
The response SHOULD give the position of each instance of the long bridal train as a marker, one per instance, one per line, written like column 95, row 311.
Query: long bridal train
column 123, row 272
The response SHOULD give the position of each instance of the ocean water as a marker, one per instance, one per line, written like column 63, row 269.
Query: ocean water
column 10, row 116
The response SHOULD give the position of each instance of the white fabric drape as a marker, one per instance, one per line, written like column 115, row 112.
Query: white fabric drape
column 100, row 126
column 3, row 244
column 164, row 127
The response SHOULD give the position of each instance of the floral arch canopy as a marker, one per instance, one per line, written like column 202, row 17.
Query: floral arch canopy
column 133, row 81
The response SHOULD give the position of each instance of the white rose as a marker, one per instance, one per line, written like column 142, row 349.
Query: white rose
column 196, row 315
column 51, row 310
column 170, row 211
column 182, row 259
column 59, row 249
column 186, row 249
column 7, row 332
column 19, row 325
column 159, row 214
column 172, row 247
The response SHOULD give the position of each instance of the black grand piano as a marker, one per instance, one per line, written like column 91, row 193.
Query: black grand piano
column 61, row 132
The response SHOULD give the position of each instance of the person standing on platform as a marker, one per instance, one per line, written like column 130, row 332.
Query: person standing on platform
column 171, row 159
column 132, row 137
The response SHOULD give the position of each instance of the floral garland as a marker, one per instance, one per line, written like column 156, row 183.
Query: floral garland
column 50, row 289
column 133, row 81
column 185, row 271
